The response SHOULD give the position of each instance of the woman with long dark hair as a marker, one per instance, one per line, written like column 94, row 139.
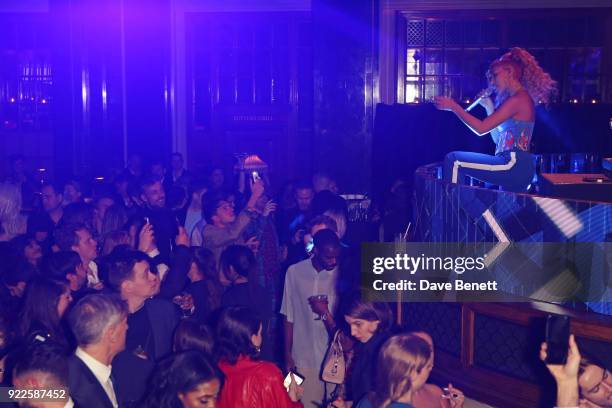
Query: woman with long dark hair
column 403, row 366
column 249, row 382
column 184, row 380
column 193, row 335
column 370, row 325
column 66, row 267
column 24, row 257
column 203, row 286
column 45, row 304
column 238, row 265
column 27, row 249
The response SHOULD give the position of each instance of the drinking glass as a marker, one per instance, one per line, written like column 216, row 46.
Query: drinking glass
column 185, row 302
column 318, row 297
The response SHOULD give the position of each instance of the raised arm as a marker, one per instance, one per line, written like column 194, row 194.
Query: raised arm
column 566, row 376
column 481, row 127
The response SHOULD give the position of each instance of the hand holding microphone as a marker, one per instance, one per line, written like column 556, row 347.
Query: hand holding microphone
column 446, row 103
column 485, row 93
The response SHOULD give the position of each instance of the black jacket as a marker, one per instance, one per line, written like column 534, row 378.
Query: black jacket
column 131, row 371
column 85, row 389
column 361, row 375
column 176, row 277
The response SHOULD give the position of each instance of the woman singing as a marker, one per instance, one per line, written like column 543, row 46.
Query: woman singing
column 518, row 82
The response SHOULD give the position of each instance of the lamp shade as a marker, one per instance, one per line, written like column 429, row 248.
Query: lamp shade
column 250, row 163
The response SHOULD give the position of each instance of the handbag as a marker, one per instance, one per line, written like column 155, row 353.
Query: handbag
column 334, row 365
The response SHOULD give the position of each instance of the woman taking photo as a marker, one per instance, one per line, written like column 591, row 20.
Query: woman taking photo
column 403, row 366
column 518, row 82
column 185, row 380
column 249, row 382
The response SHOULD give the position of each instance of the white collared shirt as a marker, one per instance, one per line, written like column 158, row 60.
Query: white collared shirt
column 310, row 338
column 101, row 372
column 92, row 275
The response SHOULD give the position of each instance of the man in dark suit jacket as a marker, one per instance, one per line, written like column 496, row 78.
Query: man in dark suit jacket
column 165, row 224
column 99, row 325
column 179, row 176
column 151, row 323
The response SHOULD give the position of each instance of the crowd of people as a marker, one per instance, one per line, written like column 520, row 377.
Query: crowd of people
column 172, row 289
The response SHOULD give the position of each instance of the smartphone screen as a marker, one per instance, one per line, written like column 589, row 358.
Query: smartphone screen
column 557, row 338
column 287, row 381
column 255, row 176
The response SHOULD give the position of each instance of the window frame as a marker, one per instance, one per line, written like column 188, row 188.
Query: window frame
column 603, row 80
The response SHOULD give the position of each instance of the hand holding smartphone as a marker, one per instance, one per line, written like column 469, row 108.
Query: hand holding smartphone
column 292, row 376
column 557, row 339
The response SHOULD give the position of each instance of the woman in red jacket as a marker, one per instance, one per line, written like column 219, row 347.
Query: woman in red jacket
column 249, row 382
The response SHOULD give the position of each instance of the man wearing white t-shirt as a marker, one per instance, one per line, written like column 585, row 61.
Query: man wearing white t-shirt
column 308, row 320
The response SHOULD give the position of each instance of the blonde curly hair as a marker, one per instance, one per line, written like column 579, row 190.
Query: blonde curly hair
column 538, row 83
column 12, row 223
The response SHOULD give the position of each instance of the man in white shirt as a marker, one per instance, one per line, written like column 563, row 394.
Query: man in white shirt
column 99, row 325
column 78, row 238
column 308, row 320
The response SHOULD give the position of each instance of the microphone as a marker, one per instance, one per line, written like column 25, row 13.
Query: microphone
column 485, row 93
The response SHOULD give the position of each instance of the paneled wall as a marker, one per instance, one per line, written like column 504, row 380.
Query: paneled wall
column 26, row 76
column 250, row 89
column 346, row 89
column 490, row 350
column 88, row 103
column 324, row 124
column 90, row 83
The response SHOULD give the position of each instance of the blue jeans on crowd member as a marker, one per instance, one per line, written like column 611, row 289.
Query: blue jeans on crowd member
column 513, row 170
